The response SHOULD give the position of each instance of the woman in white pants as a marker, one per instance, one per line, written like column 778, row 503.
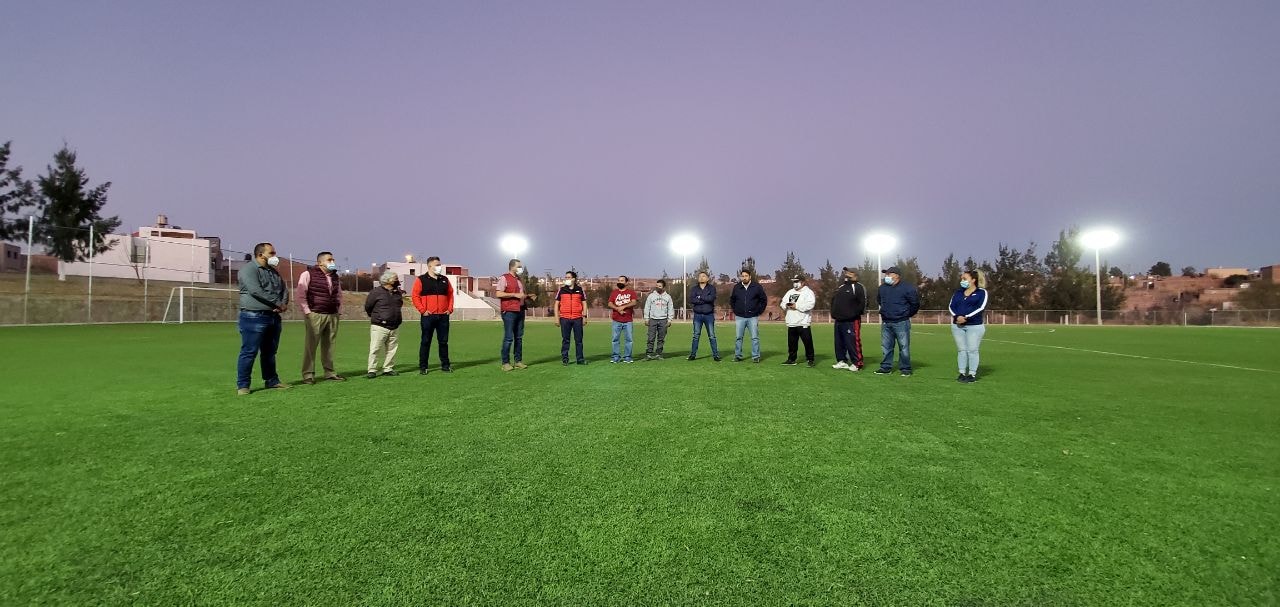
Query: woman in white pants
column 967, row 326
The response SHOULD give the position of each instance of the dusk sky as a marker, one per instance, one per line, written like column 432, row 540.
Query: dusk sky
column 600, row 129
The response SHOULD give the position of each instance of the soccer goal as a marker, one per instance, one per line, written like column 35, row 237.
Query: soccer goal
column 201, row 304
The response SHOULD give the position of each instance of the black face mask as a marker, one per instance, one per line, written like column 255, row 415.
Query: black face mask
column 622, row 285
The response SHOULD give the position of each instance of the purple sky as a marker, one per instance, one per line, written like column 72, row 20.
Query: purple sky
column 599, row 129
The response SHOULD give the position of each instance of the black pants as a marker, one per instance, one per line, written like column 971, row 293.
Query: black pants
column 434, row 324
column 849, row 342
column 570, row 327
column 795, row 334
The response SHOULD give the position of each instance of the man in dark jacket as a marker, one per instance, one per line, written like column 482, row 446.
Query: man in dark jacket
column 383, row 307
column 847, row 307
column 703, row 298
column 898, row 303
column 748, row 302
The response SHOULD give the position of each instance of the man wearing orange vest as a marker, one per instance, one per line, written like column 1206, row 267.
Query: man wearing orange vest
column 571, row 312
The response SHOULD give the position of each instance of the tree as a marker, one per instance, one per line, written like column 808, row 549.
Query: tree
column 748, row 264
column 1068, row 287
column 1115, row 272
column 1015, row 279
column 1189, row 272
column 703, row 266
column 1161, row 268
column 782, row 277
column 70, row 207
column 935, row 293
column 17, row 198
column 1259, row 296
column 828, row 282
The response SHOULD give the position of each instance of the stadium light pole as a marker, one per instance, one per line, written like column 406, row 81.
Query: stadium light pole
column 879, row 243
column 1098, row 239
column 685, row 245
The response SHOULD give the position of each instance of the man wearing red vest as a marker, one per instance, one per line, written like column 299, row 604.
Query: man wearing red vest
column 433, row 297
column 513, row 301
column 319, row 292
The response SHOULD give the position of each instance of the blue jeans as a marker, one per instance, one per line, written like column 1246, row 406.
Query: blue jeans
column 571, row 326
column 618, row 329
column 512, row 333
column 259, row 334
column 899, row 332
column 708, row 321
column 752, row 323
column 968, row 338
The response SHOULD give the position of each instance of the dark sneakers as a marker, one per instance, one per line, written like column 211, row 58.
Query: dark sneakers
column 969, row 379
column 716, row 358
column 962, row 378
column 884, row 371
column 789, row 363
column 756, row 359
column 692, row 357
column 737, row 359
column 370, row 375
column 447, row 370
column 392, row 373
column 811, row 364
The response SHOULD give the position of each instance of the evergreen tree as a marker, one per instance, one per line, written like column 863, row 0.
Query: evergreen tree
column 828, row 282
column 70, row 207
column 17, row 199
column 782, row 277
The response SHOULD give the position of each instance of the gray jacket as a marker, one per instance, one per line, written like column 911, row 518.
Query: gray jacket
column 261, row 288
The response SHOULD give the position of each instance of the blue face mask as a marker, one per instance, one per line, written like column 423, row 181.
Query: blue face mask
column 888, row 280
column 332, row 267
column 964, row 284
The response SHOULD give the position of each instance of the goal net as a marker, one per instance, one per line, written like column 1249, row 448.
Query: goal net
column 201, row 304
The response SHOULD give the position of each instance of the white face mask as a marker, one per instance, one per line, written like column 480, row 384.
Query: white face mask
column 566, row 282
column 331, row 266
column 888, row 280
column 964, row 284
column 518, row 271
column 434, row 269
column 273, row 261
column 796, row 285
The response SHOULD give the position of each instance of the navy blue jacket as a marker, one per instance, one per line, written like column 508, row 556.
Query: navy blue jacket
column 897, row 302
column 971, row 306
column 703, row 299
column 749, row 301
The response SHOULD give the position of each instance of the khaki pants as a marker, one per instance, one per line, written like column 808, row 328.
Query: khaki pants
column 382, row 339
column 322, row 329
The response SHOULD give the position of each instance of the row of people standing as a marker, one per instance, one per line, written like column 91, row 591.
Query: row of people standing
column 264, row 297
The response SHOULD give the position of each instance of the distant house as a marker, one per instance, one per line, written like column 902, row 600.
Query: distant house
column 1270, row 273
column 159, row 252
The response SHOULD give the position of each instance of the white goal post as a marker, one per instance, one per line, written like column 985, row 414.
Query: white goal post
column 189, row 294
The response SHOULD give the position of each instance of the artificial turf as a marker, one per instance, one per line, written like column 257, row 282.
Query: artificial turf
column 134, row 475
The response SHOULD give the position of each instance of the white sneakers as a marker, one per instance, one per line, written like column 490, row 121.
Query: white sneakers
column 841, row 365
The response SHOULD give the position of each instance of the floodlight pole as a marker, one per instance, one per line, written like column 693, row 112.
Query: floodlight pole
column 1097, row 267
column 92, row 249
column 26, row 292
column 684, row 286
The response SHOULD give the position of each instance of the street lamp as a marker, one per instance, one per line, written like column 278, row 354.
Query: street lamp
column 1098, row 239
column 685, row 245
column 879, row 243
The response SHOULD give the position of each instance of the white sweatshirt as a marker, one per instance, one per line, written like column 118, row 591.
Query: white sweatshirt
column 804, row 300
column 659, row 306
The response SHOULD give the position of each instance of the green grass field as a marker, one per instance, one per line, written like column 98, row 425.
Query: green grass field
column 134, row 475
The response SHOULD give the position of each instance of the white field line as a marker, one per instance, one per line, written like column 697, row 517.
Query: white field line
column 1170, row 360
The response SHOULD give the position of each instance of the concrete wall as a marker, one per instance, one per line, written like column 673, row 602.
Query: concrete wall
column 170, row 259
